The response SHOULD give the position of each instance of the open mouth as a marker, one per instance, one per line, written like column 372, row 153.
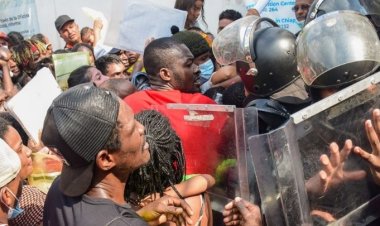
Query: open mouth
column 197, row 80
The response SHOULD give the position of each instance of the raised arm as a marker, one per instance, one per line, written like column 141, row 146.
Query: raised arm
column 194, row 186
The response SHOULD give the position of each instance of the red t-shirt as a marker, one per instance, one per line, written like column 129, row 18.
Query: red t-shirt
column 200, row 139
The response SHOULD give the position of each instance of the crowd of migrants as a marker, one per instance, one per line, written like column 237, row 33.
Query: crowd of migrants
column 126, row 164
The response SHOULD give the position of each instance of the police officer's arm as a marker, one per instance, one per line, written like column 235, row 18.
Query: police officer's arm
column 241, row 212
column 373, row 133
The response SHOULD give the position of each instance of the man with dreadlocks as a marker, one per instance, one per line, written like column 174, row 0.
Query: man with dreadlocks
column 26, row 55
column 163, row 174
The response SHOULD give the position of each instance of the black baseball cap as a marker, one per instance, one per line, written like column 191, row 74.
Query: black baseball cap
column 78, row 124
column 61, row 21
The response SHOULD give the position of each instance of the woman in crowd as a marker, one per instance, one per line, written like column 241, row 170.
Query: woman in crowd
column 27, row 54
column 32, row 200
column 85, row 74
column 164, row 173
column 194, row 8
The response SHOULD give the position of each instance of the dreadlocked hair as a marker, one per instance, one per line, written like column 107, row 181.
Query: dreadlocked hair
column 167, row 163
column 22, row 53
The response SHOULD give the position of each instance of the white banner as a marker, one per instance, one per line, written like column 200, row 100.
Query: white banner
column 135, row 21
column 19, row 15
column 281, row 12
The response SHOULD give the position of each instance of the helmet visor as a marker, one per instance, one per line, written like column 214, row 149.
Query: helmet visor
column 333, row 50
column 364, row 7
column 232, row 43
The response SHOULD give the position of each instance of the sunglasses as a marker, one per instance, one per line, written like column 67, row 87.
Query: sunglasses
column 300, row 7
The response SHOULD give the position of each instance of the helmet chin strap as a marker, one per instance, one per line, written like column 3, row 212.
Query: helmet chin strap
column 313, row 14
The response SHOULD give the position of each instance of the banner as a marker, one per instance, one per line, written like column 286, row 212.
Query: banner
column 19, row 15
column 281, row 12
column 133, row 22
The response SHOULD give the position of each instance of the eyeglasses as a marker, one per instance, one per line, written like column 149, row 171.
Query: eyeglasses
column 301, row 7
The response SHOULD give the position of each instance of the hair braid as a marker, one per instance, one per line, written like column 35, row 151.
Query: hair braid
column 167, row 163
column 22, row 53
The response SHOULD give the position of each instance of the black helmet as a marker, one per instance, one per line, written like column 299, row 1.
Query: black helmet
column 261, row 42
column 273, row 50
column 369, row 8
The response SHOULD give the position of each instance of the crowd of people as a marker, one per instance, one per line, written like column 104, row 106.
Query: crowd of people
column 129, row 160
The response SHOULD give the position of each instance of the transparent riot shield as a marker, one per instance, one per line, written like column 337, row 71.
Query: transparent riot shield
column 217, row 134
column 286, row 159
column 335, row 119
column 279, row 175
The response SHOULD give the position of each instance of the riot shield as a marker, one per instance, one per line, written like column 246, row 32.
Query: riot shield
column 218, row 135
column 288, row 157
column 279, row 175
column 335, row 119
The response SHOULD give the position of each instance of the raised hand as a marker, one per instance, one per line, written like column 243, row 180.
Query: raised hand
column 372, row 129
column 167, row 209
column 241, row 212
column 332, row 173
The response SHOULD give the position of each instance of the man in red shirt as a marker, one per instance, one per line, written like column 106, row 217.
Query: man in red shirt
column 174, row 78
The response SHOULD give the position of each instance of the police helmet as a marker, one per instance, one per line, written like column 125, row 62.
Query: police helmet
column 369, row 8
column 337, row 49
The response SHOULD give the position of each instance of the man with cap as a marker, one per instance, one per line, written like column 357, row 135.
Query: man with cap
column 10, row 183
column 200, row 47
column 68, row 30
column 101, row 144
column 201, row 51
column 122, row 54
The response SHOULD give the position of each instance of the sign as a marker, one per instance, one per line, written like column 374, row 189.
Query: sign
column 19, row 15
column 65, row 63
column 30, row 104
column 134, row 22
column 281, row 12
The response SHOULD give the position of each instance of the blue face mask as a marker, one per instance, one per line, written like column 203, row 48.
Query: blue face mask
column 14, row 212
column 207, row 68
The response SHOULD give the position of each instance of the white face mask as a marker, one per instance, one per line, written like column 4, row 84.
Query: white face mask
column 300, row 23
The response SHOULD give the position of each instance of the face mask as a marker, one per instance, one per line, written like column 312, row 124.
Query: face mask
column 207, row 68
column 300, row 23
column 14, row 212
